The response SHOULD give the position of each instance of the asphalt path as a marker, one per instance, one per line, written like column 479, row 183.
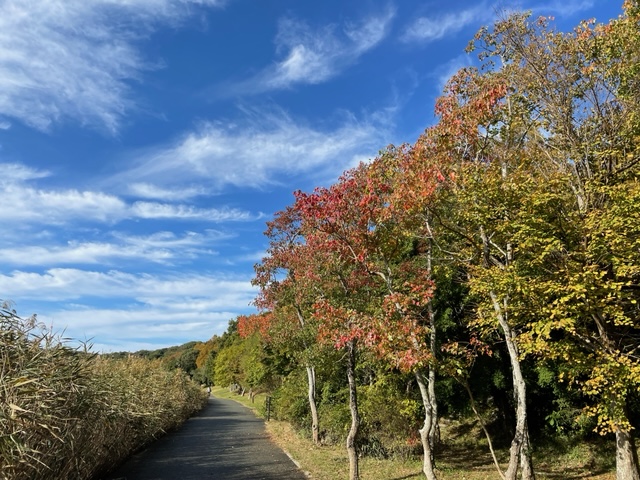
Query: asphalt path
column 224, row 441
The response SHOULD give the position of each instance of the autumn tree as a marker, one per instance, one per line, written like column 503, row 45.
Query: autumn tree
column 287, row 297
column 424, row 202
column 353, row 220
column 344, row 308
column 464, row 145
column 572, row 100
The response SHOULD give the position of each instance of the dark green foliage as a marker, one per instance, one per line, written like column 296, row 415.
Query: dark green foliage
column 289, row 400
column 180, row 356
column 391, row 410
column 557, row 413
column 187, row 361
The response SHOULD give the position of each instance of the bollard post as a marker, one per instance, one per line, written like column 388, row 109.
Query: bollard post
column 268, row 405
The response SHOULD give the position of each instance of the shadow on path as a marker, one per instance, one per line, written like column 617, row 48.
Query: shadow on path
column 224, row 441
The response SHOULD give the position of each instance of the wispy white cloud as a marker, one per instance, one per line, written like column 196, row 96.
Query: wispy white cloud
column 118, row 311
column 63, row 284
column 5, row 125
column 564, row 8
column 188, row 212
column 253, row 257
column 121, row 310
column 73, row 59
column 443, row 73
column 148, row 190
column 17, row 172
column 138, row 327
column 211, row 291
column 161, row 247
column 257, row 150
column 428, row 29
column 315, row 56
column 78, row 253
column 51, row 207
column 171, row 240
column 28, row 205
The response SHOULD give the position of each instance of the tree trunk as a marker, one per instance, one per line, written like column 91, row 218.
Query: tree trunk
column 465, row 383
column 520, row 451
column 626, row 453
column 626, row 457
column 526, row 463
column 434, row 431
column 426, row 432
column 311, row 377
column 311, row 380
column 354, row 474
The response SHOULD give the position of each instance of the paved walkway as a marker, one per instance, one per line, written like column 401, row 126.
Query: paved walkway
column 225, row 441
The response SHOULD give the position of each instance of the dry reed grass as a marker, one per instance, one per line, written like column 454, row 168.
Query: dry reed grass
column 68, row 413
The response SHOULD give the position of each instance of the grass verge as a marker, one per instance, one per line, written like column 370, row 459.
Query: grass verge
column 456, row 461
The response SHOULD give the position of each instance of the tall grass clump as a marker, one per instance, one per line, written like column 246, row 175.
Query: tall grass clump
column 68, row 413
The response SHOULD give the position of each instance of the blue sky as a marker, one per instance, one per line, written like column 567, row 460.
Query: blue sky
column 145, row 143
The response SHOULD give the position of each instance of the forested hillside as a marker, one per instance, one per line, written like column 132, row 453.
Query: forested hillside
column 490, row 270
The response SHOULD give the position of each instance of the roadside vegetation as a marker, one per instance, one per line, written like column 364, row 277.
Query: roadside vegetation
column 462, row 454
column 68, row 413
column 478, row 289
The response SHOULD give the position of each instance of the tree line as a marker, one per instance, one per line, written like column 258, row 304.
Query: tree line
column 498, row 256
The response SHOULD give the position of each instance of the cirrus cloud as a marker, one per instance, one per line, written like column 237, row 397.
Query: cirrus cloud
column 146, row 311
column 73, row 59
column 315, row 56
column 428, row 29
column 161, row 247
column 28, row 205
column 256, row 150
